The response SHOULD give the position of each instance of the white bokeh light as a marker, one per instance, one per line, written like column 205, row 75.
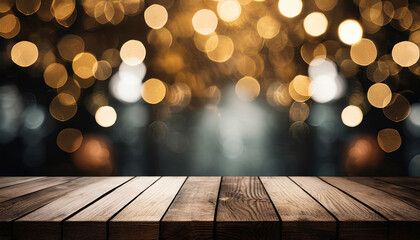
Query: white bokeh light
column 327, row 84
column 126, row 84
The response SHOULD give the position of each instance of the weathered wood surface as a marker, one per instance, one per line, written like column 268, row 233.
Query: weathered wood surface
column 302, row 217
column 245, row 211
column 404, row 219
column 209, row 208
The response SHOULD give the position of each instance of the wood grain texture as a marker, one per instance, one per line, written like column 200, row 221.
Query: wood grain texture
column 302, row 217
column 13, row 191
column 356, row 221
column 408, row 195
column 410, row 182
column 191, row 215
column 9, row 181
column 91, row 222
column 404, row 219
column 17, row 207
column 141, row 218
column 245, row 211
column 45, row 222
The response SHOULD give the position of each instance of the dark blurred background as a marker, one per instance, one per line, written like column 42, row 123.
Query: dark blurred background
column 206, row 87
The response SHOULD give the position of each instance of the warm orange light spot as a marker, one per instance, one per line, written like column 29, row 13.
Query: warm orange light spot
column 24, row 53
column 69, row 139
column 247, row 88
column 153, row 91
column 389, row 139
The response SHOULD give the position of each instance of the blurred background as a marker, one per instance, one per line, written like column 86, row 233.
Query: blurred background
column 207, row 87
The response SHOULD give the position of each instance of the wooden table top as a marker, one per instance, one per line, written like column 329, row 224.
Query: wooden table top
column 209, row 208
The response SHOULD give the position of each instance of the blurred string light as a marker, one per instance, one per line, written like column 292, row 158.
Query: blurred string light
column 133, row 52
column 204, row 21
column 405, row 53
column 126, row 84
column 350, row 31
column 352, row 116
column 290, row 8
column 69, row 139
column 315, row 24
column 153, row 91
column 229, row 10
column 156, row 16
column 24, row 53
column 389, row 139
column 106, row 116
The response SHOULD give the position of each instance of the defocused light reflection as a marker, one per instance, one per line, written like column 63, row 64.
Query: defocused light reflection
column 83, row 64
column 363, row 52
column 352, row 116
column 156, row 16
column 106, row 116
column 126, row 84
column 389, row 139
column 350, row 31
column 133, row 52
column 63, row 107
column 405, row 53
column 10, row 109
column 315, row 24
column 24, row 53
column 69, row 139
column 33, row 117
column 204, row 21
column 268, row 27
column 247, row 88
column 69, row 46
column 362, row 155
column 153, row 91
column 229, row 10
column 398, row 108
column 290, row 8
column 379, row 95
column 94, row 155
column 55, row 75
column 326, row 84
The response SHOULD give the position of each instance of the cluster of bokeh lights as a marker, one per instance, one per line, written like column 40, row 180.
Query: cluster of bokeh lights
column 248, row 44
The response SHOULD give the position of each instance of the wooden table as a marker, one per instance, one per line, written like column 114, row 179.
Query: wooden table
column 209, row 208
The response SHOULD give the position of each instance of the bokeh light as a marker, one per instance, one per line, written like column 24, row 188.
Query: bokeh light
column 83, row 64
column 133, row 52
column 379, row 95
column 69, row 139
column 268, row 27
column 350, row 31
column 351, row 116
column 94, row 155
column 398, row 108
column 55, row 75
column 389, row 139
column 63, row 107
column 229, row 10
column 106, row 116
column 153, row 91
column 290, row 8
column 24, row 53
column 204, row 21
column 247, row 88
column 363, row 52
column 156, row 16
column 315, row 24
column 405, row 53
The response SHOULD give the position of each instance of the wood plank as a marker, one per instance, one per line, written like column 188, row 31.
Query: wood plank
column 17, row 207
column 13, row 191
column 91, row 222
column 408, row 195
column 302, row 217
column 404, row 219
column 192, row 213
column 45, row 223
column 141, row 218
column 410, row 182
column 356, row 221
column 9, row 181
column 245, row 211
